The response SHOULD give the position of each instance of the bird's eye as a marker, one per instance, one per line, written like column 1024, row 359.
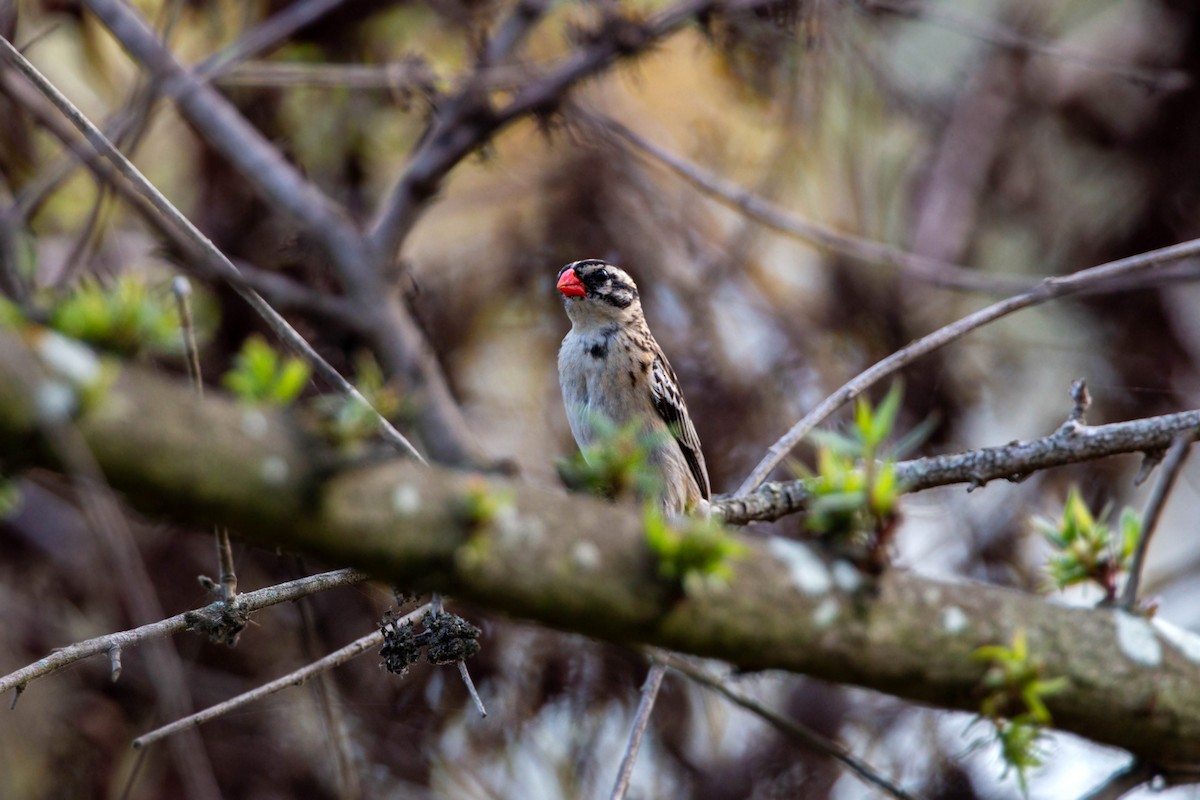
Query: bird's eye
column 602, row 274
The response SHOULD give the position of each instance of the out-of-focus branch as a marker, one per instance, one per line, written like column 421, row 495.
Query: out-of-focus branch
column 641, row 719
column 213, row 258
column 394, row 335
column 1072, row 443
column 789, row 727
column 469, row 119
column 929, row 270
column 408, row 75
column 262, row 37
column 1049, row 289
column 247, row 601
column 260, row 163
column 1172, row 464
column 953, row 189
column 583, row 564
column 1162, row 80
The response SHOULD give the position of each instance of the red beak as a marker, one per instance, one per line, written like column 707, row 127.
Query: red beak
column 570, row 285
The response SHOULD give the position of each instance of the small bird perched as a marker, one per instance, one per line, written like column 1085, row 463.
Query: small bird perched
column 610, row 366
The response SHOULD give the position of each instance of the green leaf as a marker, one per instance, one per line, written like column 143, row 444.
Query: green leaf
column 884, row 419
column 260, row 375
column 696, row 554
column 126, row 317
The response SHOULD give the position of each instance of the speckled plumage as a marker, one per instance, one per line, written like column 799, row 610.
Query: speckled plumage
column 610, row 365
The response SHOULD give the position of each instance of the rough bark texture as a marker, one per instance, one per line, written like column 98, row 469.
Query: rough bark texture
column 581, row 564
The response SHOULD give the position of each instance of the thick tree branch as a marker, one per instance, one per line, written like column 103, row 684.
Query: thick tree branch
column 582, row 564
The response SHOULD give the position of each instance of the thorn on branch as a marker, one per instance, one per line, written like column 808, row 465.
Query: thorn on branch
column 16, row 696
column 1150, row 460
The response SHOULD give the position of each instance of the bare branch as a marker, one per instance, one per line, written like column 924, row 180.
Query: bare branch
column 1072, row 443
column 641, row 719
column 1154, row 506
column 792, row 729
column 1049, row 289
column 411, row 75
column 296, row 678
column 932, row 271
column 248, row 601
column 182, row 290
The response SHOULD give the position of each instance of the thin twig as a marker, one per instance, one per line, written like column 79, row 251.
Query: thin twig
column 248, row 601
column 182, row 289
column 1049, row 289
column 761, row 210
column 267, row 34
column 1072, row 443
column 296, row 678
column 465, row 674
column 407, row 76
column 326, row 695
column 436, row 604
column 216, row 259
column 794, row 730
column 641, row 719
column 1171, row 466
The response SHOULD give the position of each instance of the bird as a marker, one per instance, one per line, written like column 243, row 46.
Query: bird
column 610, row 366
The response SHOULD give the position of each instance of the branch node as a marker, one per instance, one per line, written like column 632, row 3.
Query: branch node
column 220, row 622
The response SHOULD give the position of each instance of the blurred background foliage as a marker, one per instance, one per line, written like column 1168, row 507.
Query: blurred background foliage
column 1024, row 138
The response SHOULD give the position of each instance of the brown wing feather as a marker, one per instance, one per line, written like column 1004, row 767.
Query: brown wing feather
column 668, row 400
